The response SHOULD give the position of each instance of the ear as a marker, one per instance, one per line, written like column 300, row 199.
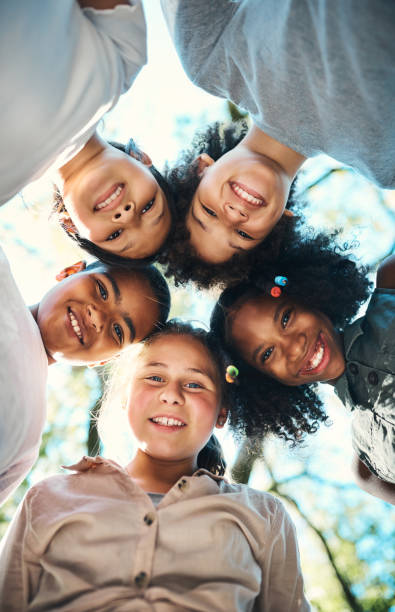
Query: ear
column 142, row 157
column 77, row 267
column 203, row 161
column 221, row 420
column 288, row 213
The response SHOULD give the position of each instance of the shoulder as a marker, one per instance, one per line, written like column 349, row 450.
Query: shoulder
column 268, row 506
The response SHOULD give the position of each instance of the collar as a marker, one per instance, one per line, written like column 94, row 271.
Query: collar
column 108, row 465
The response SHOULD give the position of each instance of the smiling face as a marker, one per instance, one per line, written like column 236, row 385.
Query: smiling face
column 174, row 399
column 286, row 341
column 115, row 202
column 91, row 316
column 240, row 198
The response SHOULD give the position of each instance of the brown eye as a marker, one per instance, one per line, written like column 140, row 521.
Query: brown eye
column 148, row 206
column 285, row 318
column 209, row 211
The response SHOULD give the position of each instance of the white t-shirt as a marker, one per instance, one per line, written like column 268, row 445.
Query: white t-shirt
column 23, row 376
column 61, row 69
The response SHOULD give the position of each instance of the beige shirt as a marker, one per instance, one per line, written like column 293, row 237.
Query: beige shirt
column 93, row 540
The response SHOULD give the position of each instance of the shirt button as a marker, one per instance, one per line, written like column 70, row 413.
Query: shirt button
column 182, row 484
column 140, row 579
column 373, row 378
column 149, row 518
column 353, row 368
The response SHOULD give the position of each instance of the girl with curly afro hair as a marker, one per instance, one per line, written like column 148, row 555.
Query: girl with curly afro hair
column 222, row 229
column 288, row 327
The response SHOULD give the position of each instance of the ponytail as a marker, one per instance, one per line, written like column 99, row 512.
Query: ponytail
column 211, row 457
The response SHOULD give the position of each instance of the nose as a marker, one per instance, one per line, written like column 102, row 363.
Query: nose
column 95, row 317
column 123, row 213
column 171, row 395
column 296, row 346
column 235, row 212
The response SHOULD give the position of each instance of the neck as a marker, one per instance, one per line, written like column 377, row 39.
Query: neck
column 93, row 147
column 156, row 475
column 259, row 142
column 34, row 310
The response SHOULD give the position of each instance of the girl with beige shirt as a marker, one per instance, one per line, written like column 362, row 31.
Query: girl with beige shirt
column 167, row 532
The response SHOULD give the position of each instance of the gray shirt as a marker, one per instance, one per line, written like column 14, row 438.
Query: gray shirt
column 368, row 384
column 316, row 75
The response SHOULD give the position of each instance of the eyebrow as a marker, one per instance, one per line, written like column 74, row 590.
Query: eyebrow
column 114, row 286
column 198, row 220
column 261, row 346
column 117, row 294
column 129, row 323
column 156, row 221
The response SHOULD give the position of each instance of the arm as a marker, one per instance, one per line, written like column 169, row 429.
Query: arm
column 101, row 4
column 19, row 568
column 282, row 580
column 369, row 483
column 385, row 278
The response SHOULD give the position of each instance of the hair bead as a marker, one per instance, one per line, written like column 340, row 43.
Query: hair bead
column 275, row 292
column 282, row 281
column 231, row 374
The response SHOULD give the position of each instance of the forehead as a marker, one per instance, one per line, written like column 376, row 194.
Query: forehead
column 253, row 317
column 182, row 350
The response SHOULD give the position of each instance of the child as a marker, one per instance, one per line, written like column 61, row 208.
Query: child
column 314, row 78
column 57, row 92
column 89, row 317
column 286, row 339
column 196, row 251
column 167, row 532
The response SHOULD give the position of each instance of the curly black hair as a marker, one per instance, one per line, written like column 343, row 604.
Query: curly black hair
column 107, row 257
column 180, row 259
column 320, row 276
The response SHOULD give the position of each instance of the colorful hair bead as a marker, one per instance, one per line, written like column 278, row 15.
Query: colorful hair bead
column 282, row 281
column 231, row 374
column 275, row 292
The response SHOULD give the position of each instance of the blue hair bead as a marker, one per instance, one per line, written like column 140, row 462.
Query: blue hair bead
column 282, row 281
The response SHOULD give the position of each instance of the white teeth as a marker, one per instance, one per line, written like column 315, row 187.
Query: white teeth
column 317, row 357
column 75, row 325
column 110, row 198
column 169, row 422
column 244, row 195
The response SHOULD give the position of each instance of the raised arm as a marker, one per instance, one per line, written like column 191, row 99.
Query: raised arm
column 19, row 568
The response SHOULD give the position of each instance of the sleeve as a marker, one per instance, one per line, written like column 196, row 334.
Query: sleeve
column 19, row 566
column 282, row 581
column 119, row 46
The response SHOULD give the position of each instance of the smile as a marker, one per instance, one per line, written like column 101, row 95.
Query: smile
column 75, row 325
column 247, row 195
column 318, row 361
column 111, row 198
column 167, row 421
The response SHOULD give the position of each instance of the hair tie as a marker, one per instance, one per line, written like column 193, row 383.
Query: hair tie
column 280, row 281
column 231, row 374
